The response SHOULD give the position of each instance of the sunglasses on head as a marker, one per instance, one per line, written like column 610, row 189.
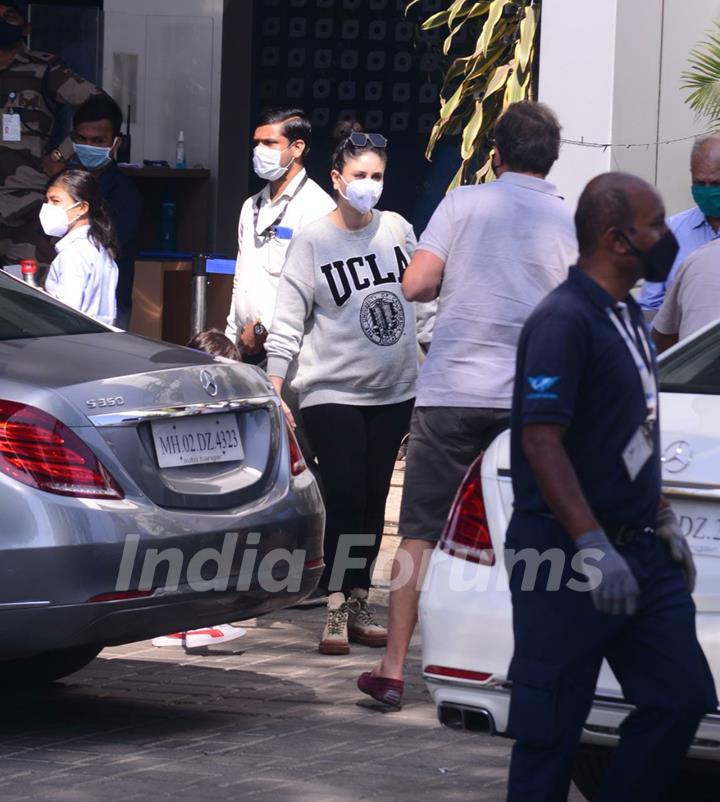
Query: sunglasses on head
column 360, row 140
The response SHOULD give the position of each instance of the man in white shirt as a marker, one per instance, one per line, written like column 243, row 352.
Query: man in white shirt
column 693, row 299
column 490, row 253
column 268, row 222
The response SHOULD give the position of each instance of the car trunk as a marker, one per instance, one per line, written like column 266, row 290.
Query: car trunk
column 691, row 482
column 192, row 432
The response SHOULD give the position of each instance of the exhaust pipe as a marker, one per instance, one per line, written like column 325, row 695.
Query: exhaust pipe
column 472, row 719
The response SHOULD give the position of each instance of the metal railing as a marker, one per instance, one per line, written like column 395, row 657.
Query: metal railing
column 198, row 313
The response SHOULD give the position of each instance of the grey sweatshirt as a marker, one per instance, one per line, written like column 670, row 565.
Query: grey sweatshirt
column 340, row 309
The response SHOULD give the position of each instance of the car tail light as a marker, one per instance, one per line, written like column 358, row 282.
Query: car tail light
column 466, row 532
column 457, row 673
column 40, row 451
column 297, row 461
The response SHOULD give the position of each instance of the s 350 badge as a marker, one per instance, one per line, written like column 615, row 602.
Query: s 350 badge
column 103, row 403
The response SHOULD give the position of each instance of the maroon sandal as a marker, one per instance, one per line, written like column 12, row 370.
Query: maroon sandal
column 383, row 689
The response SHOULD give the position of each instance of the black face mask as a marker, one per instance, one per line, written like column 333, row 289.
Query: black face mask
column 9, row 34
column 657, row 260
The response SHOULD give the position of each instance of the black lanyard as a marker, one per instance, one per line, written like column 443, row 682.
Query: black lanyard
column 269, row 232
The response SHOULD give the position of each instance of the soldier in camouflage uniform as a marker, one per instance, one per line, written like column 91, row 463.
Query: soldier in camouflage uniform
column 32, row 87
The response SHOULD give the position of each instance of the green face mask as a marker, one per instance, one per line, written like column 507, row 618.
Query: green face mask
column 707, row 199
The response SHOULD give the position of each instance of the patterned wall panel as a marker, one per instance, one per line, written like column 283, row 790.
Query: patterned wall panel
column 364, row 60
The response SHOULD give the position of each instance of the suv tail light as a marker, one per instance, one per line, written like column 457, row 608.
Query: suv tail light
column 40, row 451
column 466, row 534
column 297, row 461
column 457, row 673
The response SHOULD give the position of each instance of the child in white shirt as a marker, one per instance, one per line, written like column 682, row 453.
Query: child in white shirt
column 83, row 274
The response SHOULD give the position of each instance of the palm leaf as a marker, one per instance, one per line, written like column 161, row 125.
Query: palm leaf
column 703, row 77
column 436, row 21
column 462, row 12
column 488, row 29
column 457, row 9
column 497, row 69
column 526, row 42
column 472, row 129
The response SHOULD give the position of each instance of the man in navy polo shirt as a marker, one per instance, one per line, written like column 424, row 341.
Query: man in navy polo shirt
column 586, row 477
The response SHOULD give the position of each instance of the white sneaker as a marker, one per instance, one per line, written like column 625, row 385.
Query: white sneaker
column 222, row 633
column 176, row 639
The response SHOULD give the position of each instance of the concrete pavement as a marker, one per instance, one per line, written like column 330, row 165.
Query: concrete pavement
column 266, row 718
column 269, row 719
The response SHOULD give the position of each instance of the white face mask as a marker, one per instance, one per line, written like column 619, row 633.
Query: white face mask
column 363, row 194
column 266, row 163
column 54, row 219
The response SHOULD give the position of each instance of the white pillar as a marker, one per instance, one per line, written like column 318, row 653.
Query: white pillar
column 685, row 24
column 576, row 80
column 612, row 72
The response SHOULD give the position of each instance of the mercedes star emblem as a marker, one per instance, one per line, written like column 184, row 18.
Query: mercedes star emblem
column 208, row 383
column 677, row 456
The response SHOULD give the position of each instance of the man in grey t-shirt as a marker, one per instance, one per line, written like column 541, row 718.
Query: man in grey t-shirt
column 693, row 299
column 490, row 253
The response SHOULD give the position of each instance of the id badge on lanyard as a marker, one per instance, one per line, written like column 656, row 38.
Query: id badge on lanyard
column 642, row 444
column 11, row 125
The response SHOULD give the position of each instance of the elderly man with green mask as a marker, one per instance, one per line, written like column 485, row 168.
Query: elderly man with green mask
column 698, row 225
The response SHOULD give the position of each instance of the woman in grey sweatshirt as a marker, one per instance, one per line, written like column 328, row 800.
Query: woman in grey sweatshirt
column 343, row 323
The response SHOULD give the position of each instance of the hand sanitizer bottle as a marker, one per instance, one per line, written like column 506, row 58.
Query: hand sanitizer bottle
column 180, row 161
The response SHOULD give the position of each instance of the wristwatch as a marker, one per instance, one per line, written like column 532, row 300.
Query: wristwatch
column 259, row 330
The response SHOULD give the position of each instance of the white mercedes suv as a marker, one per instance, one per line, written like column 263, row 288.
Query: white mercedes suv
column 465, row 608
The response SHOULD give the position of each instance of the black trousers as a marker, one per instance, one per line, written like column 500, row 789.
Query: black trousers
column 356, row 448
column 560, row 641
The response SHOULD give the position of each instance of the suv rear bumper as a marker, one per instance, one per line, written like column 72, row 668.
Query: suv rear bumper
column 486, row 710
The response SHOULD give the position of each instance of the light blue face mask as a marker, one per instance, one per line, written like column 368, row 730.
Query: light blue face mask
column 91, row 157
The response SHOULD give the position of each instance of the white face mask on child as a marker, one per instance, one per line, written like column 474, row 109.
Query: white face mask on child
column 54, row 219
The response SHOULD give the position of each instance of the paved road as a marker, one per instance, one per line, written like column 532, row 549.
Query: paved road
column 273, row 720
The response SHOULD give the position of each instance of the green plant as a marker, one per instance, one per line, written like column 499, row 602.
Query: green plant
column 480, row 84
column 703, row 77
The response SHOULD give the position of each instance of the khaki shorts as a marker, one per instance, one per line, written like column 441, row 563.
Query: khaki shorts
column 444, row 442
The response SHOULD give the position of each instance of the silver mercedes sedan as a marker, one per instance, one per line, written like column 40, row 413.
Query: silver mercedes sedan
column 145, row 488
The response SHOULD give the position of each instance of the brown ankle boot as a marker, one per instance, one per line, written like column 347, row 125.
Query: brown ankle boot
column 335, row 635
column 362, row 624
